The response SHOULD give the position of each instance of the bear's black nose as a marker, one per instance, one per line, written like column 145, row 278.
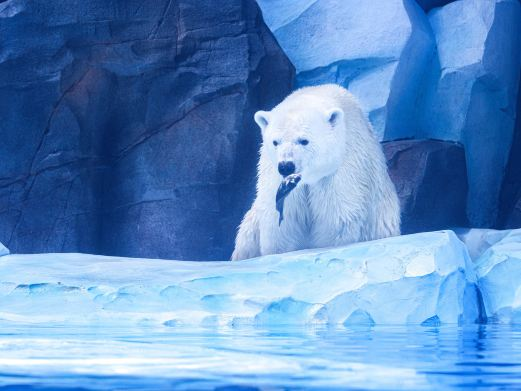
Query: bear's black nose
column 286, row 168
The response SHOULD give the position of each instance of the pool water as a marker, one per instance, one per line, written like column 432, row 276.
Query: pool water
column 248, row 358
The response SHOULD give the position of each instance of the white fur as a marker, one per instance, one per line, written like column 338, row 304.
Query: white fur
column 345, row 194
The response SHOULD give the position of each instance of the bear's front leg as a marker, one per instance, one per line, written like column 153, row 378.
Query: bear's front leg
column 247, row 240
column 280, row 238
column 347, row 232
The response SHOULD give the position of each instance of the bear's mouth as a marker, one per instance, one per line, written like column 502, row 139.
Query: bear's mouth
column 286, row 186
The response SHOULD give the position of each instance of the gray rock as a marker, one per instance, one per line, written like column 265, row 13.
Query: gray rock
column 127, row 126
column 514, row 218
column 377, row 49
column 472, row 90
column 451, row 76
column 510, row 206
column 431, row 181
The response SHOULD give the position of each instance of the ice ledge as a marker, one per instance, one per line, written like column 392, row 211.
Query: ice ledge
column 498, row 270
column 414, row 279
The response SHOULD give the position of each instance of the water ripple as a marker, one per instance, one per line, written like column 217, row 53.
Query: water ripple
column 181, row 358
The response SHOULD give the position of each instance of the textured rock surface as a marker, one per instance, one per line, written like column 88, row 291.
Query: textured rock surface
column 378, row 49
column 499, row 278
column 453, row 76
column 510, row 206
column 430, row 177
column 472, row 90
column 127, row 127
column 407, row 279
column 514, row 219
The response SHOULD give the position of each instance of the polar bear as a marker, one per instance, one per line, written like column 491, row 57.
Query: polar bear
column 344, row 194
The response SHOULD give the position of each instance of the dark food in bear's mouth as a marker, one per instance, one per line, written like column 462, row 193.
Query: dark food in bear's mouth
column 286, row 186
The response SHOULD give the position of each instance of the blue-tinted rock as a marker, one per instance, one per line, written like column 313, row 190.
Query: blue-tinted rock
column 407, row 279
column 431, row 181
column 510, row 205
column 514, row 219
column 378, row 49
column 471, row 94
column 127, row 128
column 499, row 279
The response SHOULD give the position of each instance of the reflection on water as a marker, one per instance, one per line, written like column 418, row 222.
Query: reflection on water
column 415, row 358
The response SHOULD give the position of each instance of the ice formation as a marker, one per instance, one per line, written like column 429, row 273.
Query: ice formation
column 413, row 279
column 498, row 270
column 3, row 250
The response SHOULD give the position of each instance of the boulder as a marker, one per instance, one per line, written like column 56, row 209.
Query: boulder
column 127, row 128
column 498, row 271
column 510, row 206
column 431, row 180
column 415, row 279
column 471, row 92
column 514, row 219
column 377, row 49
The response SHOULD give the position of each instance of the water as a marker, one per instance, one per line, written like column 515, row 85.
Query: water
column 415, row 358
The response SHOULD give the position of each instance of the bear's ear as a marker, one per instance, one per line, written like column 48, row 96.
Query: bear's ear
column 262, row 118
column 335, row 116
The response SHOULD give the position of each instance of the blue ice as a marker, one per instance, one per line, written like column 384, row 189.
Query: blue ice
column 425, row 278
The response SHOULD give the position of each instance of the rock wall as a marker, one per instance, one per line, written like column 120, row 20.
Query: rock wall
column 431, row 180
column 377, row 49
column 472, row 91
column 510, row 206
column 127, row 126
column 431, row 69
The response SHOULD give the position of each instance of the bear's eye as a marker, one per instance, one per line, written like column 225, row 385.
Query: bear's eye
column 275, row 142
column 303, row 141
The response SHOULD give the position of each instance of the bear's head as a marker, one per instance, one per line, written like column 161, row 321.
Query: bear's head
column 308, row 140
